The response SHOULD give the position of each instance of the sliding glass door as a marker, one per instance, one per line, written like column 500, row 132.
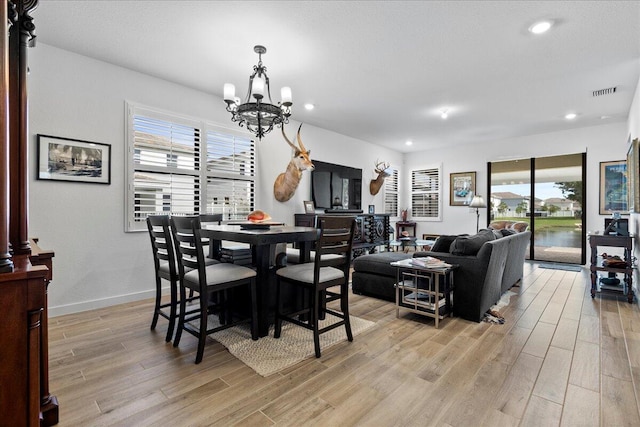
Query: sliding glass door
column 548, row 193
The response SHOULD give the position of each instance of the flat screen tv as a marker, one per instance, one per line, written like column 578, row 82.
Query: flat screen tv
column 336, row 187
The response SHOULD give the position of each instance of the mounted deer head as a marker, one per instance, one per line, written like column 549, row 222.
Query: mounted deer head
column 376, row 184
column 286, row 183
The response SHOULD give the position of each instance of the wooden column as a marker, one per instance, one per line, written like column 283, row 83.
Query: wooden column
column 21, row 37
column 6, row 264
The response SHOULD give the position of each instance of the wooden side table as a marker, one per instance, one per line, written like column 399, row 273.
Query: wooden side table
column 626, row 242
column 402, row 225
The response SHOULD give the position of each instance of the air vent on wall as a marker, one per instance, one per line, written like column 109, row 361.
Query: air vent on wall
column 607, row 91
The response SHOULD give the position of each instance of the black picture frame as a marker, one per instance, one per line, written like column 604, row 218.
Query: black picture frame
column 309, row 207
column 73, row 160
column 613, row 187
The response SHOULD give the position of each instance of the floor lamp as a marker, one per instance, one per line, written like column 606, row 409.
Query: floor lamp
column 477, row 202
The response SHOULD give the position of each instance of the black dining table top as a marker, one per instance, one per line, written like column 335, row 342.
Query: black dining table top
column 265, row 236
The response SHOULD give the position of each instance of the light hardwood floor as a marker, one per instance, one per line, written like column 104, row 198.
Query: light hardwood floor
column 561, row 358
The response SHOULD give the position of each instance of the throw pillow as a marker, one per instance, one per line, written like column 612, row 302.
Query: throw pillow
column 443, row 243
column 507, row 232
column 470, row 245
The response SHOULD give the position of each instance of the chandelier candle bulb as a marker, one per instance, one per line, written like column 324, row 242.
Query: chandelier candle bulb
column 285, row 94
column 257, row 112
column 257, row 89
column 229, row 92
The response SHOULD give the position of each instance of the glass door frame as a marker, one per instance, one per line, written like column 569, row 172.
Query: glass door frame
column 532, row 170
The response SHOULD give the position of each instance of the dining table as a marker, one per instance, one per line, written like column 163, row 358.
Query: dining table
column 263, row 240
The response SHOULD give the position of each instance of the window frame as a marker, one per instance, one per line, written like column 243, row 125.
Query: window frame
column 201, row 173
column 433, row 170
column 392, row 191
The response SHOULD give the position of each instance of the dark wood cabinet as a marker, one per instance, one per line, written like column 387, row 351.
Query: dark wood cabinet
column 22, row 298
column 372, row 230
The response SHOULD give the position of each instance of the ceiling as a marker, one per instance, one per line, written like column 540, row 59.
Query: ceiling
column 380, row 71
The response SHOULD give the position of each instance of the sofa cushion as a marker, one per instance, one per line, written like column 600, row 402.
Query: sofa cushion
column 379, row 263
column 507, row 232
column 443, row 243
column 470, row 245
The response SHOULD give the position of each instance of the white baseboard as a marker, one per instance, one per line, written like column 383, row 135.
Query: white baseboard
column 60, row 310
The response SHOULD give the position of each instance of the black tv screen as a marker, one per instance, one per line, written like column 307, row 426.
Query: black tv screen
column 336, row 186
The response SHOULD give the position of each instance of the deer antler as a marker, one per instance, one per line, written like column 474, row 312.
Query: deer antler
column 384, row 168
column 287, row 139
column 300, row 140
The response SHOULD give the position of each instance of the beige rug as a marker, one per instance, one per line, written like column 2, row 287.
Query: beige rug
column 269, row 355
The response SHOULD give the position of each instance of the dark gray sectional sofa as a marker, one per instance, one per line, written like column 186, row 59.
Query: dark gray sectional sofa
column 488, row 268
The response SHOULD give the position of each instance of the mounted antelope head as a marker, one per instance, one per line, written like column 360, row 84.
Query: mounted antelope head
column 376, row 184
column 286, row 183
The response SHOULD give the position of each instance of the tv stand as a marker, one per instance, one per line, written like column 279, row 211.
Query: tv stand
column 343, row 211
column 372, row 230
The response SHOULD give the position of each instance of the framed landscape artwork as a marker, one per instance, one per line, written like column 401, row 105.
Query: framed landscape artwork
column 633, row 171
column 74, row 160
column 462, row 188
column 613, row 187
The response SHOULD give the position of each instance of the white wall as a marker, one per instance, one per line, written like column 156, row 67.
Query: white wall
column 96, row 263
column 601, row 143
column 633, row 132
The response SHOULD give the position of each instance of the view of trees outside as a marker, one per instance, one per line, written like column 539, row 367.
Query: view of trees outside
column 557, row 210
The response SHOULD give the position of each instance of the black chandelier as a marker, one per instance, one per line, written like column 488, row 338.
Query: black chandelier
column 255, row 113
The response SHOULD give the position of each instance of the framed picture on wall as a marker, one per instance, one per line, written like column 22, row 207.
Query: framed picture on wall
column 372, row 209
column 309, row 207
column 613, row 187
column 462, row 187
column 73, row 160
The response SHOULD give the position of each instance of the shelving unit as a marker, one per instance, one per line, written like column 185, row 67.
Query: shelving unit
column 598, row 269
column 423, row 290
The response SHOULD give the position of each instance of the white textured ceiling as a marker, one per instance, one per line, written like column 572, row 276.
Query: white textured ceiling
column 380, row 70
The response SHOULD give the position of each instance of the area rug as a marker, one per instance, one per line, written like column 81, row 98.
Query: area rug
column 269, row 355
column 566, row 267
column 493, row 315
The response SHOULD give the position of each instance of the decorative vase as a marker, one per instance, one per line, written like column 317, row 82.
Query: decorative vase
column 404, row 214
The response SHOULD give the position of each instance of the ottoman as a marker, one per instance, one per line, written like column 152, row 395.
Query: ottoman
column 373, row 275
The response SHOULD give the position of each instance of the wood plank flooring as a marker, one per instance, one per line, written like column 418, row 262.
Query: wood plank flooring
column 561, row 358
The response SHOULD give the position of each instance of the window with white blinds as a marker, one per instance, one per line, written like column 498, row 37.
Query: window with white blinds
column 426, row 195
column 391, row 194
column 181, row 166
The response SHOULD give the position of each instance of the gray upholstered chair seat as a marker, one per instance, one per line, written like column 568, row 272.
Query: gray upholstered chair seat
column 304, row 273
column 220, row 273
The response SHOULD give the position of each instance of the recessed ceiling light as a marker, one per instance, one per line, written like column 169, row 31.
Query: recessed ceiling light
column 444, row 114
column 540, row 27
column 605, row 117
column 409, row 143
column 309, row 106
column 570, row 116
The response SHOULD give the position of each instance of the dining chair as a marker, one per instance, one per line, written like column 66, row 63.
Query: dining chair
column 207, row 280
column 215, row 219
column 317, row 279
column 164, row 261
